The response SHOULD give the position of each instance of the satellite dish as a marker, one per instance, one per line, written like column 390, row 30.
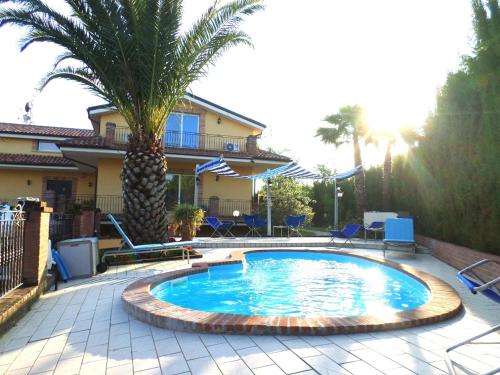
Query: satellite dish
column 27, row 107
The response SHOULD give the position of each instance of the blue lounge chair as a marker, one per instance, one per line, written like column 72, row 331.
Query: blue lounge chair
column 253, row 222
column 219, row 226
column 141, row 249
column 295, row 223
column 349, row 231
column 376, row 226
column 491, row 289
column 399, row 233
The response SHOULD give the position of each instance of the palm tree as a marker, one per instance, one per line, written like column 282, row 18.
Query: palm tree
column 133, row 54
column 349, row 125
column 409, row 135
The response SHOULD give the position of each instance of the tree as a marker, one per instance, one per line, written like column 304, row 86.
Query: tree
column 407, row 134
column 289, row 197
column 134, row 55
column 349, row 125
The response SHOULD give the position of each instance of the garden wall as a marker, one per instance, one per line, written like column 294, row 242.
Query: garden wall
column 460, row 257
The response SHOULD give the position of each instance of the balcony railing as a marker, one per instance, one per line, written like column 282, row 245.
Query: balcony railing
column 193, row 141
column 114, row 204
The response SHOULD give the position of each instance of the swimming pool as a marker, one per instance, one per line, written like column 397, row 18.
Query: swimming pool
column 297, row 284
column 292, row 292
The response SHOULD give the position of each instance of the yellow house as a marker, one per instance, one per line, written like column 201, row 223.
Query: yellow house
column 64, row 165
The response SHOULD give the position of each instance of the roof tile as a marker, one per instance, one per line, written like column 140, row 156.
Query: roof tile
column 28, row 159
column 45, row 130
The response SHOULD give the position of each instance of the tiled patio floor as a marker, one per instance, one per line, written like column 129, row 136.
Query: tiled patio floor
column 83, row 329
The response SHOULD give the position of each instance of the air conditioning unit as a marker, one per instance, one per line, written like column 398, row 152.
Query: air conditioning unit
column 231, row 147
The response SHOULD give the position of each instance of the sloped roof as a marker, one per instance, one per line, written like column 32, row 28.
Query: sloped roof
column 48, row 131
column 40, row 160
column 105, row 108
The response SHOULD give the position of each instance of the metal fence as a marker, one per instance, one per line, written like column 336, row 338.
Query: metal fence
column 225, row 207
column 11, row 250
column 61, row 227
column 194, row 141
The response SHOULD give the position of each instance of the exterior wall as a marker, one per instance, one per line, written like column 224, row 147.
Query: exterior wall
column 18, row 182
column 208, row 122
column 227, row 187
column 22, row 146
column 109, row 181
column 115, row 118
column 227, row 126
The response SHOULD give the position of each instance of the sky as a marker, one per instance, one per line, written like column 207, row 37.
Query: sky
column 309, row 59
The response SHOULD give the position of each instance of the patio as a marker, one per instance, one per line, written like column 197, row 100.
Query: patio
column 83, row 328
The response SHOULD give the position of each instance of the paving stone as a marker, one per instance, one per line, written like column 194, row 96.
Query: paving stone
column 173, row 364
column 288, row 361
column 235, row 368
column 167, row 346
column 324, row 365
column 254, row 357
column 203, row 366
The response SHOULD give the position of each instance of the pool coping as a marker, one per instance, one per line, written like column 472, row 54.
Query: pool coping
column 138, row 301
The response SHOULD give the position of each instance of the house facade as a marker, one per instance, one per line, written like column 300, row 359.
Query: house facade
column 78, row 167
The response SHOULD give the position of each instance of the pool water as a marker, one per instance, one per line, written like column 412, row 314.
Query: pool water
column 296, row 284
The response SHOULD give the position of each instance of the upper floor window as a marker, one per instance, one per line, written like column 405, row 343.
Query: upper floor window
column 47, row 146
column 182, row 130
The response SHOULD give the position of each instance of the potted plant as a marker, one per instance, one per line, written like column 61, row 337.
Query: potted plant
column 189, row 219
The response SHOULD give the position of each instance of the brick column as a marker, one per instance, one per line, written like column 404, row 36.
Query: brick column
column 86, row 223
column 36, row 242
column 110, row 132
column 252, row 144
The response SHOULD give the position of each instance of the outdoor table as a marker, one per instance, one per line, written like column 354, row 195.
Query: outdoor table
column 280, row 227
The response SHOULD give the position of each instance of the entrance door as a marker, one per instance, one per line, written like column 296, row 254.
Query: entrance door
column 58, row 193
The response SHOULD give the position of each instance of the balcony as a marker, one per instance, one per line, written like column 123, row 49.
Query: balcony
column 196, row 141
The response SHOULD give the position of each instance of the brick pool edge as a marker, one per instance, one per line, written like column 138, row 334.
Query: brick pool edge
column 138, row 301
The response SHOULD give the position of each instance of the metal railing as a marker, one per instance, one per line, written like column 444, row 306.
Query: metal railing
column 61, row 227
column 11, row 250
column 225, row 207
column 193, row 141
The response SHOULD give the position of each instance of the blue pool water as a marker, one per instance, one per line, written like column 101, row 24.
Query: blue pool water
column 297, row 284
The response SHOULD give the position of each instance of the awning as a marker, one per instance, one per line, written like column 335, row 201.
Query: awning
column 220, row 167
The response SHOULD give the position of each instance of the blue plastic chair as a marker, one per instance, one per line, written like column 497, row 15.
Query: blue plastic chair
column 399, row 233
column 218, row 226
column 141, row 249
column 491, row 289
column 253, row 222
column 295, row 223
column 349, row 231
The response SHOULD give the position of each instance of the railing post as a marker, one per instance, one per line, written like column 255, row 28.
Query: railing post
column 36, row 242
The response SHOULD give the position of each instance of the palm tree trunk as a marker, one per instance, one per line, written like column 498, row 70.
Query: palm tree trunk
column 386, row 179
column 359, row 179
column 144, row 193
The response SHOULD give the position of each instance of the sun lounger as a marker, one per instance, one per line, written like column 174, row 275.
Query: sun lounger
column 141, row 249
column 295, row 223
column 349, row 231
column 399, row 234
column 491, row 289
column 375, row 227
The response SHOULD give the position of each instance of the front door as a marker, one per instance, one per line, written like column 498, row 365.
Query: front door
column 58, row 193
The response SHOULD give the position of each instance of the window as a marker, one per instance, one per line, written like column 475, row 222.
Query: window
column 180, row 189
column 47, row 146
column 182, row 130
